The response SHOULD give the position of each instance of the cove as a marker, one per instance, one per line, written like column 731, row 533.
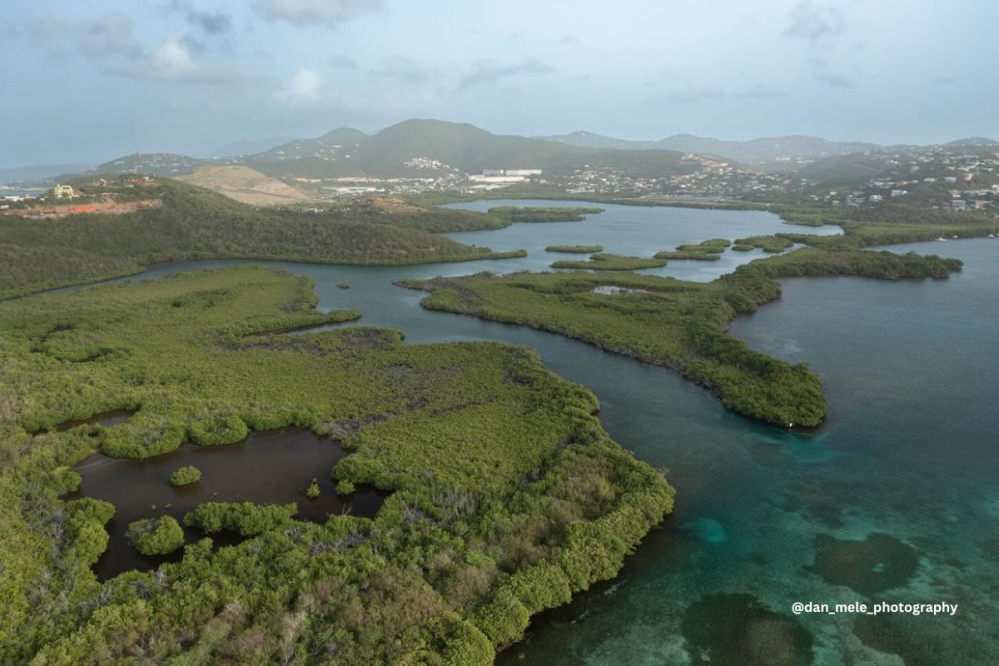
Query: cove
column 273, row 467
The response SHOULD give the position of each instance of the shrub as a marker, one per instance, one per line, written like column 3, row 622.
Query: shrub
column 185, row 476
column 246, row 518
column 156, row 536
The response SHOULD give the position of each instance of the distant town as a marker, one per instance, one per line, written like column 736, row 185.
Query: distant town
column 958, row 177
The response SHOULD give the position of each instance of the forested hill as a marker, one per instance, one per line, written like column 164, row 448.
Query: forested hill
column 752, row 151
column 415, row 148
column 193, row 223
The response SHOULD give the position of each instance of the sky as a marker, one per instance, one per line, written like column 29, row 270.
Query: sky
column 84, row 82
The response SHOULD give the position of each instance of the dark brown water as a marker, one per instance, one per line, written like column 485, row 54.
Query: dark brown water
column 104, row 419
column 274, row 467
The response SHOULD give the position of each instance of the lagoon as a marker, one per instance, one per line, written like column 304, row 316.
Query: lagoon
column 893, row 499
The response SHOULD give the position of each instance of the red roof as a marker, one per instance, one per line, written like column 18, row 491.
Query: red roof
column 83, row 209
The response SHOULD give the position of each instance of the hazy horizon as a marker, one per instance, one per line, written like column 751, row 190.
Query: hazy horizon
column 108, row 78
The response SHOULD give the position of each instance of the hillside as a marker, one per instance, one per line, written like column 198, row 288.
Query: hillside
column 432, row 148
column 156, row 164
column 246, row 185
column 193, row 223
column 754, row 151
column 973, row 141
column 847, row 170
column 326, row 156
column 415, row 149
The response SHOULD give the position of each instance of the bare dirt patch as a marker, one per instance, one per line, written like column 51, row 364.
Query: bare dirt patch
column 246, row 185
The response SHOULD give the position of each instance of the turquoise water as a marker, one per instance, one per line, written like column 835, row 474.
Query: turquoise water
column 894, row 499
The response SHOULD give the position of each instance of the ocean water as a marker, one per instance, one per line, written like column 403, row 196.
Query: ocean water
column 895, row 499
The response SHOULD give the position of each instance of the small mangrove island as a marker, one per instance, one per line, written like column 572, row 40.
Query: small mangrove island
column 543, row 214
column 575, row 249
column 709, row 250
column 610, row 262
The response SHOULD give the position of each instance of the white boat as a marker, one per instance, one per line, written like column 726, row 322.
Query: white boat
column 942, row 239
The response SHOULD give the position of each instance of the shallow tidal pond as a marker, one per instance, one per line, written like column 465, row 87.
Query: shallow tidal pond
column 274, row 467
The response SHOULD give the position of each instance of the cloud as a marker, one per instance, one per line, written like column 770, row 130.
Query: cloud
column 113, row 34
column 836, row 81
column 305, row 86
column 173, row 60
column 402, row 68
column 691, row 95
column 490, row 71
column 110, row 43
column 313, row 12
column 343, row 62
column 813, row 23
column 211, row 23
column 945, row 80
column 760, row 91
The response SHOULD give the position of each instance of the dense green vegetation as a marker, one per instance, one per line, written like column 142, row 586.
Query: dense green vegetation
column 550, row 214
column 156, row 536
column 709, row 250
column 610, row 262
column 575, row 249
column 681, row 325
column 185, row 476
column 771, row 244
column 194, row 223
column 506, row 496
column 245, row 519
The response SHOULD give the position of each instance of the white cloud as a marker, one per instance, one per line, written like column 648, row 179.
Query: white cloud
column 311, row 12
column 172, row 60
column 304, row 86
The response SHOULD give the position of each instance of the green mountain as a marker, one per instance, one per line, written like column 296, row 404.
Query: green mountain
column 973, row 141
column 754, row 151
column 415, row 148
column 420, row 148
column 157, row 164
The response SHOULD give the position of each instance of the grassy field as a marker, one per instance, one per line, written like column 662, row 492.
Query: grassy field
column 506, row 494
column 681, row 325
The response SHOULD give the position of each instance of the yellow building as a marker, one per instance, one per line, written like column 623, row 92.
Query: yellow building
column 61, row 191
